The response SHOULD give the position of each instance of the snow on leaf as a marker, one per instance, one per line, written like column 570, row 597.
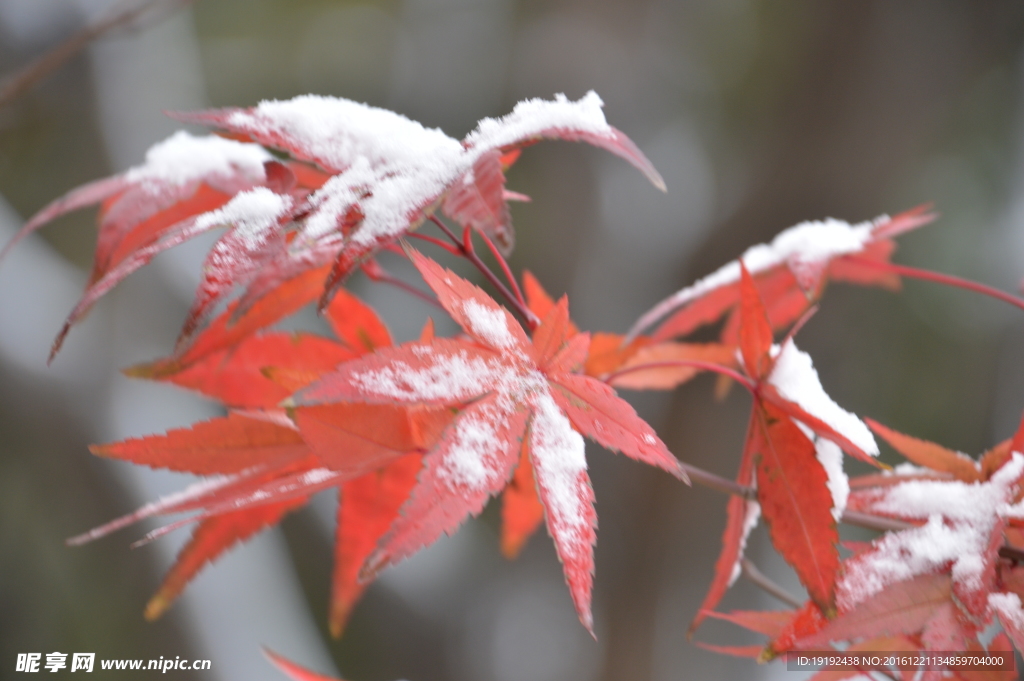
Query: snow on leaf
column 1007, row 608
column 961, row 517
column 383, row 174
column 472, row 461
column 794, row 378
column 496, row 395
column 901, row 607
column 171, row 174
column 807, row 250
column 564, row 486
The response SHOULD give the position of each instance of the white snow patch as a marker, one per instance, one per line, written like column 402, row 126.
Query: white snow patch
column 1008, row 606
column 559, row 459
column 831, row 458
column 252, row 213
column 961, row 518
column 749, row 523
column 445, row 377
column 183, row 158
column 805, row 248
column 488, row 324
column 339, row 131
column 393, row 167
column 316, row 476
column 532, row 117
column 471, row 459
column 796, row 380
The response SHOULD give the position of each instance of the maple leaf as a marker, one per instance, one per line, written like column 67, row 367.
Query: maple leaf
column 792, row 456
column 507, row 393
column 266, row 466
column 360, row 178
column 792, row 271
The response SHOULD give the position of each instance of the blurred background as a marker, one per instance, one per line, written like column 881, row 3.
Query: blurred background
column 759, row 115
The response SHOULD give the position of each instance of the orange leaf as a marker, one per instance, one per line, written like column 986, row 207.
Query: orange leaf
column 218, row 446
column 928, row 454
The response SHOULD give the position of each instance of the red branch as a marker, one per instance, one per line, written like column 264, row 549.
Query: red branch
column 465, row 246
column 938, row 277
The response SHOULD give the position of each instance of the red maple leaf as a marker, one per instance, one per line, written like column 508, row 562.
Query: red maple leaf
column 506, row 393
column 792, row 457
column 361, row 177
column 792, row 272
column 267, row 467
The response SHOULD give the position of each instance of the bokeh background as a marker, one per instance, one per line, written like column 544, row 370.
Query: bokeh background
column 759, row 115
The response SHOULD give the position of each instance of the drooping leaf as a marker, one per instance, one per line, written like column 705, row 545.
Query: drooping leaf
column 209, row 540
column 367, row 507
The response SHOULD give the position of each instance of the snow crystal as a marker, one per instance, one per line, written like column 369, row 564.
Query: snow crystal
column 184, row 158
column 472, row 460
column 488, row 324
column 796, row 380
column 559, row 459
column 749, row 523
column 446, row 377
column 252, row 213
column 532, row 117
column 960, row 518
column 1008, row 606
column 831, row 458
column 802, row 247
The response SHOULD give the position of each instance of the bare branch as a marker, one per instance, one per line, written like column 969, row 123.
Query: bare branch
column 762, row 580
column 133, row 16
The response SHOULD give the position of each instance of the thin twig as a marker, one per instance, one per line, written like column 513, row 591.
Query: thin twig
column 875, row 522
column 504, row 268
column 18, row 83
column 378, row 273
column 762, row 580
column 465, row 247
column 437, row 242
column 866, row 520
column 938, row 277
column 717, row 482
